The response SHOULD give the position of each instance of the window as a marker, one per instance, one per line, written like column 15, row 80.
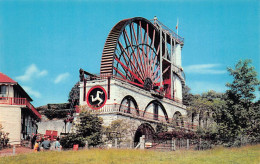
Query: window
column 2, row 91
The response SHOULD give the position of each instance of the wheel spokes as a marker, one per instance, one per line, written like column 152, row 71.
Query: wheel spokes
column 137, row 56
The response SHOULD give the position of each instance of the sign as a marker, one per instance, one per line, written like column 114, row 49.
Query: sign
column 96, row 97
column 148, row 144
column 75, row 147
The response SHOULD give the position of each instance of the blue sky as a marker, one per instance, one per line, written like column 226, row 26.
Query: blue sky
column 43, row 44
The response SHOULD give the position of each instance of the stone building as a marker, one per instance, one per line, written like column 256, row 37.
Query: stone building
column 17, row 115
column 141, row 78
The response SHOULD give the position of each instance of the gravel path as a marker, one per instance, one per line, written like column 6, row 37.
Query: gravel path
column 18, row 150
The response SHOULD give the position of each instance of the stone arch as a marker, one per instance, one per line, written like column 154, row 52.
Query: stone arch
column 193, row 116
column 129, row 105
column 155, row 113
column 177, row 119
column 206, row 119
column 144, row 129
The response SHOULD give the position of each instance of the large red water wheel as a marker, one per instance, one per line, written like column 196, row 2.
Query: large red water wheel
column 132, row 52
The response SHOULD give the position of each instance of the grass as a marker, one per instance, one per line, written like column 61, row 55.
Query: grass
column 247, row 154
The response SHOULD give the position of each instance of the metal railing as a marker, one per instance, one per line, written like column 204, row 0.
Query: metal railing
column 165, row 28
column 21, row 102
column 137, row 113
column 12, row 101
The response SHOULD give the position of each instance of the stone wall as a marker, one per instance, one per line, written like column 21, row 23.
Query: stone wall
column 57, row 125
column 10, row 118
column 120, row 89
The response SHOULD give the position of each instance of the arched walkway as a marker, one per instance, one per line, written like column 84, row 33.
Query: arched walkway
column 129, row 105
column 155, row 110
column 177, row 119
column 144, row 129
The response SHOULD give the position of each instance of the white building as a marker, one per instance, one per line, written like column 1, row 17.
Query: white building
column 17, row 115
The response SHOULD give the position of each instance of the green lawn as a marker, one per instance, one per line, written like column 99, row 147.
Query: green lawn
column 247, row 154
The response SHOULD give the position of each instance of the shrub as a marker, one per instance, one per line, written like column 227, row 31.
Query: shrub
column 203, row 145
column 72, row 139
column 3, row 138
column 89, row 129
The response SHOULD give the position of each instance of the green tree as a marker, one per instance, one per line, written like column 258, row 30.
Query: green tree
column 212, row 95
column 74, row 96
column 241, row 114
column 206, row 109
column 255, row 130
column 90, row 128
column 200, row 107
column 124, row 129
column 186, row 96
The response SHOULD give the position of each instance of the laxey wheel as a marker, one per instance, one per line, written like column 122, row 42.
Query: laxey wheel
column 132, row 52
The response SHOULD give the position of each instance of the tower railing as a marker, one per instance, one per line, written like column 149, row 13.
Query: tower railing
column 168, row 30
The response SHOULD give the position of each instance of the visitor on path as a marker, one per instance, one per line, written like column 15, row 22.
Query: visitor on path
column 33, row 140
column 57, row 144
column 37, row 146
column 46, row 144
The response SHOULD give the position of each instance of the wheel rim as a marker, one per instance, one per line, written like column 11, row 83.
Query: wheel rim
column 137, row 51
column 132, row 52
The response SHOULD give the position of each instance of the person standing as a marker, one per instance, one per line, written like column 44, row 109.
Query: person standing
column 33, row 140
column 36, row 146
column 57, row 144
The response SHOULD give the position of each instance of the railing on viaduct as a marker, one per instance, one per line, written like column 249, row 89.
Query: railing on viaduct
column 137, row 113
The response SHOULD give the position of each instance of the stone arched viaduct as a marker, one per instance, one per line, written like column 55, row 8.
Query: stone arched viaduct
column 121, row 93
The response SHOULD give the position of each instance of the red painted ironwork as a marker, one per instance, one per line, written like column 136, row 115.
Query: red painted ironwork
column 138, row 51
column 120, row 73
column 132, row 49
column 136, row 77
column 135, row 58
column 20, row 102
column 129, row 61
column 132, row 52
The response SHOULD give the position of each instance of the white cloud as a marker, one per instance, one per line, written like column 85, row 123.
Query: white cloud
column 204, row 69
column 32, row 92
column 32, row 71
column 61, row 77
column 198, row 87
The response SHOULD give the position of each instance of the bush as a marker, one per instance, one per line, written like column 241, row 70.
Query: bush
column 89, row 129
column 52, row 113
column 161, row 128
column 3, row 138
column 203, row 145
column 72, row 139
